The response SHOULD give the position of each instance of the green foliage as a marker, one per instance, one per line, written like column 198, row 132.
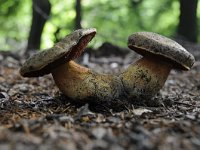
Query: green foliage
column 114, row 20
column 14, row 20
column 61, row 21
column 117, row 20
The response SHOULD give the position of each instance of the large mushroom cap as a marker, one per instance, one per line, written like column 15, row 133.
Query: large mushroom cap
column 148, row 43
column 67, row 49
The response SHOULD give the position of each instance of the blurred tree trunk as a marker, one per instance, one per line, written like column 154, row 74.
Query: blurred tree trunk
column 40, row 14
column 187, row 27
column 78, row 14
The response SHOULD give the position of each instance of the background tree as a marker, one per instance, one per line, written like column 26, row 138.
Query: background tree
column 78, row 14
column 187, row 27
column 40, row 13
column 114, row 20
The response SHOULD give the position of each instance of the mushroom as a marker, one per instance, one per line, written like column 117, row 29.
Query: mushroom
column 146, row 77
column 73, row 80
column 142, row 79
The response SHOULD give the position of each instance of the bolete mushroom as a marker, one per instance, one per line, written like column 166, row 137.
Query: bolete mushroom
column 73, row 80
column 146, row 77
column 142, row 79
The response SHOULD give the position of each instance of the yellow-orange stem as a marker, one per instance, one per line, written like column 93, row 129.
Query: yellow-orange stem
column 78, row 82
column 142, row 79
column 146, row 77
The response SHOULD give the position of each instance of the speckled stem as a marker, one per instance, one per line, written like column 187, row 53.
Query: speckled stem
column 145, row 78
column 80, row 83
column 142, row 79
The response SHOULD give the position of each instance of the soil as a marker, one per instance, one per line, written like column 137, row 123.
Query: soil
column 35, row 115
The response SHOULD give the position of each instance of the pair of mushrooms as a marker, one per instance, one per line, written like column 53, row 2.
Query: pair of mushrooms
column 142, row 79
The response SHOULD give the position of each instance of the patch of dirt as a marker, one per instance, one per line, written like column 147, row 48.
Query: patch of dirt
column 34, row 115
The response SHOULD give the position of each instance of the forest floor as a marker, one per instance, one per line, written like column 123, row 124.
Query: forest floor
column 34, row 115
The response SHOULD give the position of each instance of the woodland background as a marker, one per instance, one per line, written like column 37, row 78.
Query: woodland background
column 40, row 23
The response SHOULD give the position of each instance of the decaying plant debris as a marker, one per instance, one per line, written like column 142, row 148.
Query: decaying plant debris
column 34, row 115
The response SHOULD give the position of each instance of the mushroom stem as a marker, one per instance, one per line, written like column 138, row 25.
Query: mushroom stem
column 69, row 77
column 142, row 79
column 146, row 77
column 78, row 82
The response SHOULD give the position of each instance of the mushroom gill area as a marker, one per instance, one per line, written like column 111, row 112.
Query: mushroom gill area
column 79, row 48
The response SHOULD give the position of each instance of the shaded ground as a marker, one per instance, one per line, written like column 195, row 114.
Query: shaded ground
column 34, row 115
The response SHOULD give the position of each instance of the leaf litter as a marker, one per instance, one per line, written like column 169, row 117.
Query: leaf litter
column 35, row 115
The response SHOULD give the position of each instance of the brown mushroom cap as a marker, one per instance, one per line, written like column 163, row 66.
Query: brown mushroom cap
column 67, row 49
column 152, row 44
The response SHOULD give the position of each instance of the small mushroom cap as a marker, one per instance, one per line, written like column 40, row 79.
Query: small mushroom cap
column 155, row 45
column 67, row 49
